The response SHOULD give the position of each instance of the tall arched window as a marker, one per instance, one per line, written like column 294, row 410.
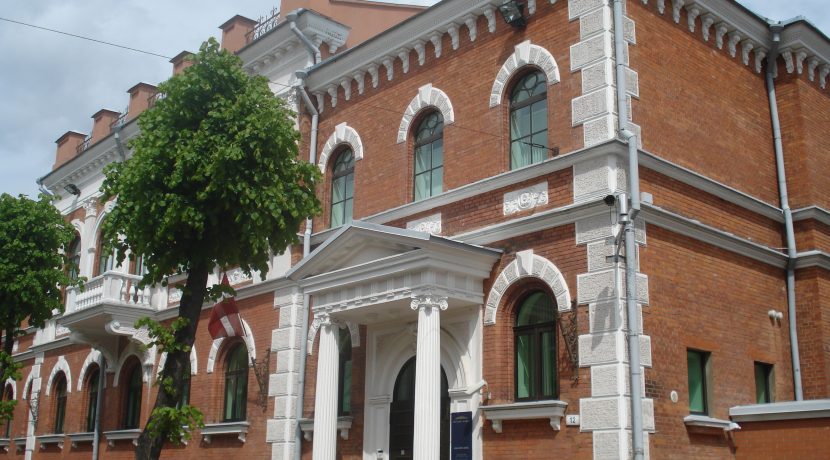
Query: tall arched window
column 92, row 391
column 342, row 188
column 429, row 156
column 74, row 255
column 106, row 257
column 535, row 345
column 236, row 384
column 528, row 121
column 132, row 398
column 345, row 380
column 8, row 395
column 60, row 402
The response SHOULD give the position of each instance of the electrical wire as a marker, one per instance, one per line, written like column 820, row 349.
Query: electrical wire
column 86, row 38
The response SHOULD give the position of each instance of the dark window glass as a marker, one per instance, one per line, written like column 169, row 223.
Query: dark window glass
column 697, row 363
column 92, row 389
column 74, row 254
column 106, row 257
column 535, row 342
column 529, row 121
column 764, row 383
column 185, row 386
column 8, row 395
column 345, row 380
column 429, row 156
column 132, row 402
column 60, row 402
column 342, row 188
column 236, row 384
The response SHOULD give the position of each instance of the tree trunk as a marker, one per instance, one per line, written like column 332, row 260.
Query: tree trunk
column 190, row 307
column 8, row 342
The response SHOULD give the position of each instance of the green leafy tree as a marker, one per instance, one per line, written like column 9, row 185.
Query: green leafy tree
column 214, row 180
column 33, row 272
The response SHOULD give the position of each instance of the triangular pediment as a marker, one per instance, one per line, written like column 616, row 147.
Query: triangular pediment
column 361, row 243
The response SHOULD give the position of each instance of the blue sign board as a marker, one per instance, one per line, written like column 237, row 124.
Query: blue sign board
column 461, row 436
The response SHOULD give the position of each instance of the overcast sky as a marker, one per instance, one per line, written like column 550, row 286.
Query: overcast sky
column 52, row 83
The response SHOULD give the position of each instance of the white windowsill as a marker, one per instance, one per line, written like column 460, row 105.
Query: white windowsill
column 787, row 410
column 553, row 410
column 77, row 438
column 238, row 429
column 709, row 423
column 344, row 424
column 20, row 443
column 122, row 435
column 46, row 439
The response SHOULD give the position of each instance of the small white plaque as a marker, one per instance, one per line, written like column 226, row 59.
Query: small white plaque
column 572, row 420
column 429, row 224
column 526, row 198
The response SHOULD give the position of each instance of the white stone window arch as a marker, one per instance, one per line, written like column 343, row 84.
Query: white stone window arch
column 194, row 363
column 343, row 134
column 92, row 359
column 32, row 384
column 11, row 383
column 354, row 332
column 427, row 96
column 120, row 367
column 248, row 338
column 527, row 265
column 524, row 54
column 60, row 366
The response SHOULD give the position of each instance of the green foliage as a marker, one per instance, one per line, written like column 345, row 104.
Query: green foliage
column 164, row 336
column 32, row 270
column 214, row 178
column 11, row 370
column 175, row 423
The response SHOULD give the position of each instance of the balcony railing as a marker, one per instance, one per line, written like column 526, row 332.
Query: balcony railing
column 110, row 288
column 263, row 25
column 119, row 121
column 151, row 101
column 83, row 145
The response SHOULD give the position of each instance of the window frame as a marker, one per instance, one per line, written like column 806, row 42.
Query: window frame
column 705, row 359
column 238, row 402
column 8, row 395
column 74, row 255
column 335, row 175
column 535, row 331
column 104, row 262
column 60, row 403
column 768, row 377
column 131, row 415
column 438, row 134
column 92, row 392
column 515, row 106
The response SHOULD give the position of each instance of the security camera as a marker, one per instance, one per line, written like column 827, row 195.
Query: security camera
column 610, row 200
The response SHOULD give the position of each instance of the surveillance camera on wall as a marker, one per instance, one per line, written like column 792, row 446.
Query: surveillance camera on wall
column 610, row 200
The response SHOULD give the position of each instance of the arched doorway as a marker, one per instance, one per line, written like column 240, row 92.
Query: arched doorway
column 402, row 415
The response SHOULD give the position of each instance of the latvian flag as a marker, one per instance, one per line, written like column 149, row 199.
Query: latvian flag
column 224, row 319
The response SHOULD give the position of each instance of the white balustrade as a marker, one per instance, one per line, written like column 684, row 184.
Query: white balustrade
column 109, row 288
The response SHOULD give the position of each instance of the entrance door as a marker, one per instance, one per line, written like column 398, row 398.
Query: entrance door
column 402, row 415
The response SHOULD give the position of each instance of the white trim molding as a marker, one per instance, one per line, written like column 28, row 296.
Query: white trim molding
column 61, row 365
column 427, row 96
column 194, row 363
column 527, row 265
column 524, row 54
column 553, row 410
column 248, row 338
column 11, row 382
column 343, row 134
column 788, row 410
column 94, row 357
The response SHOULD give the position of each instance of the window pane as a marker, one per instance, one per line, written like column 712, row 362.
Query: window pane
column 422, row 186
column 763, row 383
column 347, row 387
column 537, row 308
column 697, row 398
column 437, row 181
column 538, row 117
column 540, row 144
column 520, row 123
column 230, row 391
column 519, row 154
column 350, row 185
column 524, row 367
column 337, row 214
column 338, row 190
column 347, row 211
column 422, row 159
column 438, row 153
column 93, row 400
column 549, row 364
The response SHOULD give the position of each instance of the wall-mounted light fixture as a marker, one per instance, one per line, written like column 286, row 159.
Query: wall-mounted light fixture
column 513, row 13
column 73, row 189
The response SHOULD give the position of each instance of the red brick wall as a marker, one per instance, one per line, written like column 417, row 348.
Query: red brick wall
column 813, row 315
column 783, row 439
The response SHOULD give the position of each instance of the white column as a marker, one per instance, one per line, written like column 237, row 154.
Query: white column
column 427, row 435
column 325, row 398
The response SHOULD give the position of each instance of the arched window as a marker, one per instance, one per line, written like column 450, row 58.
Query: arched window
column 185, row 386
column 429, row 156
column 236, row 384
column 106, row 257
column 74, row 255
column 92, row 391
column 345, row 380
column 8, row 395
column 132, row 397
column 535, row 345
column 342, row 188
column 528, row 121
column 60, row 402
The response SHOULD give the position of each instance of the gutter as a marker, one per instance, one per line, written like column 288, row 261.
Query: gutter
column 312, row 49
column 792, row 253
column 629, row 207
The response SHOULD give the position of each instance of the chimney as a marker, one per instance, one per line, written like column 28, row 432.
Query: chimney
column 67, row 147
column 101, row 122
column 180, row 63
column 140, row 95
column 235, row 32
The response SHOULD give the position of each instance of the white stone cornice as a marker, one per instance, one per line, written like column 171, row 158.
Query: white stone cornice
column 822, row 75
column 746, row 48
column 720, row 31
column 360, row 78
column 452, row 30
column 661, row 6
column 787, row 54
column 470, row 21
column 531, row 7
column 734, row 39
column 403, row 55
column 332, row 90
column 490, row 14
column 812, row 64
column 706, row 22
column 320, row 102
column 373, row 72
column 389, row 64
column 435, row 38
column 692, row 12
column 760, row 54
column 800, row 55
column 419, row 47
column 346, row 84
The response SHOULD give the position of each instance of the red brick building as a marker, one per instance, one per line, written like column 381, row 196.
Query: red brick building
column 466, row 164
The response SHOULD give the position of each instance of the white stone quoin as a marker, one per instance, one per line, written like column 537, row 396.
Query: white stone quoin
column 325, row 400
column 427, row 436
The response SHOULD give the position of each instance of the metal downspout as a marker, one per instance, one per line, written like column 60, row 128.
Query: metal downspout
column 627, row 215
column 310, row 46
column 96, row 436
column 43, row 189
column 315, row 118
column 775, row 31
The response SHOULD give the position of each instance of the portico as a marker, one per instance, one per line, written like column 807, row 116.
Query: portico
column 418, row 295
